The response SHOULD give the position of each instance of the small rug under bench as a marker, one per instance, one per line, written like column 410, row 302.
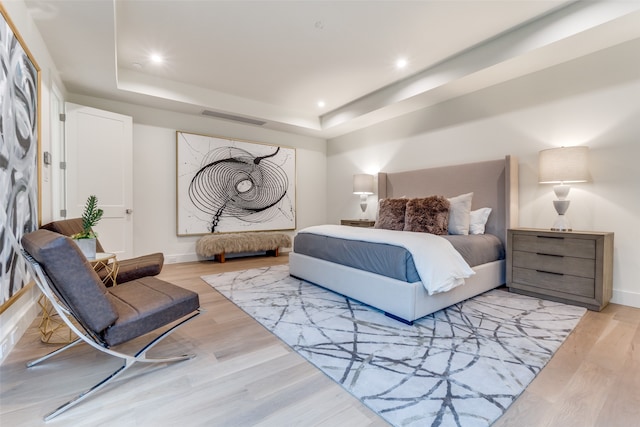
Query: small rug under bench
column 462, row 366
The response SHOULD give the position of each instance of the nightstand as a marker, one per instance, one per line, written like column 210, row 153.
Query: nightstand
column 367, row 223
column 571, row 267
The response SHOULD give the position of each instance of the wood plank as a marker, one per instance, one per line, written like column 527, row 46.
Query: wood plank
column 622, row 404
column 584, row 397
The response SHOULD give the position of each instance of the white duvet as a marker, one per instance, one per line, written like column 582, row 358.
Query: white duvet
column 438, row 264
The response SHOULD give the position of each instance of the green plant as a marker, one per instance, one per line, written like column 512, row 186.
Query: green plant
column 90, row 217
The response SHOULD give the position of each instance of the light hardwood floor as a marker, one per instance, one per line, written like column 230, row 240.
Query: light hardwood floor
column 244, row 376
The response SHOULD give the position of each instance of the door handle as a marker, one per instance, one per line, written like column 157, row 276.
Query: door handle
column 128, row 211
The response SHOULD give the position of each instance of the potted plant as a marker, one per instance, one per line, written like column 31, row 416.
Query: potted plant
column 86, row 239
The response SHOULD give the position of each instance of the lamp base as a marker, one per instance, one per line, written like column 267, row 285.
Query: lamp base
column 363, row 205
column 562, row 224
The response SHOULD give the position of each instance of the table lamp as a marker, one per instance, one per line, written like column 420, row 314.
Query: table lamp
column 562, row 166
column 363, row 185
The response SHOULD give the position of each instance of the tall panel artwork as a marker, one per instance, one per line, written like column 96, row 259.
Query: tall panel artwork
column 228, row 185
column 19, row 81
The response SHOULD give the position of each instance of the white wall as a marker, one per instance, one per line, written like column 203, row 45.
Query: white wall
column 154, row 172
column 591, row 101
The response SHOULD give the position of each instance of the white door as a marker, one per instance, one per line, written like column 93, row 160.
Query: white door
column 58, row 158
column 99, row 161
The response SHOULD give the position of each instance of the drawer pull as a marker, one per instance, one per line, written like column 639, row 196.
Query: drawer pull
column 550, row 237
column 555, row 255
column 550, row 272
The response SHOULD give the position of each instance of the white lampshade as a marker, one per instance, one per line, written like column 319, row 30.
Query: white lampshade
column 363, row 184
column 563, row 165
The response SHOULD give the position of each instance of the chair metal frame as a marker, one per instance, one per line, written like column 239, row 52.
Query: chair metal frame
column 86, row 335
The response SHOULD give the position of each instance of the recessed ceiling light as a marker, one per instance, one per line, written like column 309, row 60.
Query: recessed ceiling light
column 321, row 104
column 156, row 58
column 401, row 63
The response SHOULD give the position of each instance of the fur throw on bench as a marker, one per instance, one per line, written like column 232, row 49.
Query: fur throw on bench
column 216, row 244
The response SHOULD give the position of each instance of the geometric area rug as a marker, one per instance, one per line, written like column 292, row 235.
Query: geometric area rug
column 461, row 366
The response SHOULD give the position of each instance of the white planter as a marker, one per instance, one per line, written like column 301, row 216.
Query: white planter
column 88, row 247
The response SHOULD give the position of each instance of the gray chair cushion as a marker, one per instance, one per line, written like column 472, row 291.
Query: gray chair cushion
column 146, row 304
column 135, row 268
column 73, row 278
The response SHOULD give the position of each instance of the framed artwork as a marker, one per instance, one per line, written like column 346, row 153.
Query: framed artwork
column 19, row 151
column 227, row 185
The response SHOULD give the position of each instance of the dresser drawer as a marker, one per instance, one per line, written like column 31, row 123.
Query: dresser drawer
column 582, row 267
column 579, row 248
column 565, row 283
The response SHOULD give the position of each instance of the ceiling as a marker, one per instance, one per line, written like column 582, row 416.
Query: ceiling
column 272, row 61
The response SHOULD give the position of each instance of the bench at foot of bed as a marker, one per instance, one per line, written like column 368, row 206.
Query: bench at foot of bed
column 216, row 246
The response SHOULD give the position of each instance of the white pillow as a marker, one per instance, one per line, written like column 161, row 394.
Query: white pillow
column 478, row 219
column 459, row 214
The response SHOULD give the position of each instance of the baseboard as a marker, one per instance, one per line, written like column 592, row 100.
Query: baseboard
column 16, row 319
column 632, row 299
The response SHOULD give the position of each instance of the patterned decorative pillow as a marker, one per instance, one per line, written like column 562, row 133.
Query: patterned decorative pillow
column 391, row 214
column 427, row 215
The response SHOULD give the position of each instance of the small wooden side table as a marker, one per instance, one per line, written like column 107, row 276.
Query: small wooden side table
column 52, row 329
column 366, row 223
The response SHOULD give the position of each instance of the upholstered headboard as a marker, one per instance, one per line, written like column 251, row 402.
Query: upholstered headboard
column 494, row 184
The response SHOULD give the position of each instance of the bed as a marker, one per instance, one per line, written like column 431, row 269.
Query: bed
column 494, row 184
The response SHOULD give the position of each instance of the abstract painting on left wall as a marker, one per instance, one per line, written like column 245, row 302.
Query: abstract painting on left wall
column 19, row 148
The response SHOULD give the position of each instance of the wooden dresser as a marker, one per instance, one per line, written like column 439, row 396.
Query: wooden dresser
column 570, row 267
